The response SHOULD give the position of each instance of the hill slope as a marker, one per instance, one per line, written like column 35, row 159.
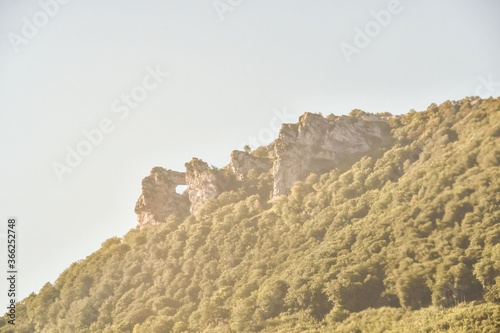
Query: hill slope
column 405, row 238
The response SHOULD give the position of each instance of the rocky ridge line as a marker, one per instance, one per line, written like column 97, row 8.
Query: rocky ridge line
column 315, row 144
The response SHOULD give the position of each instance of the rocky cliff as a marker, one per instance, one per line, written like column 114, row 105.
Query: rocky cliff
column 317, row 144
column 159, row 198
column 204, row 182
column 313, row 145
column 243, row 162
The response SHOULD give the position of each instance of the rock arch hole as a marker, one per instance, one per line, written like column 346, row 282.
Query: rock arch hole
column 181, row 188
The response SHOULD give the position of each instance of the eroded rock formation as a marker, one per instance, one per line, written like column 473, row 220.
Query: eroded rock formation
column 314, row 144
column 242, row 162
column 159, row 198
column 204, row 183
column 317, row 144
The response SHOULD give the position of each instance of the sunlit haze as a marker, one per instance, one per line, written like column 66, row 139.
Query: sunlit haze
column 129, row 85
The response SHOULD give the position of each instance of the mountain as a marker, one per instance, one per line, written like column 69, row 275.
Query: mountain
column 359, row 223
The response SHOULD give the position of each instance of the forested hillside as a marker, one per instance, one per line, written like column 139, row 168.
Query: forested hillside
column 407, row 239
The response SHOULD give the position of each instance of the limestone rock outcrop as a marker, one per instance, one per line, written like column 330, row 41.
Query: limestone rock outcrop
column 314, row 144
column 159, row 198
column 318, row 144
column 242, row 162
column 204, row 183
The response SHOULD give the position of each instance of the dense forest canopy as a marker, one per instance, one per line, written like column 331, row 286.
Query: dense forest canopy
column 406, row 239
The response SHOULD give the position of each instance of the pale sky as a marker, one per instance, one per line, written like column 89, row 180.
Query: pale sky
column 232, row 65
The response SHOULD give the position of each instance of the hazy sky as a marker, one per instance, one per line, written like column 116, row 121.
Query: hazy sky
column 233, row 66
